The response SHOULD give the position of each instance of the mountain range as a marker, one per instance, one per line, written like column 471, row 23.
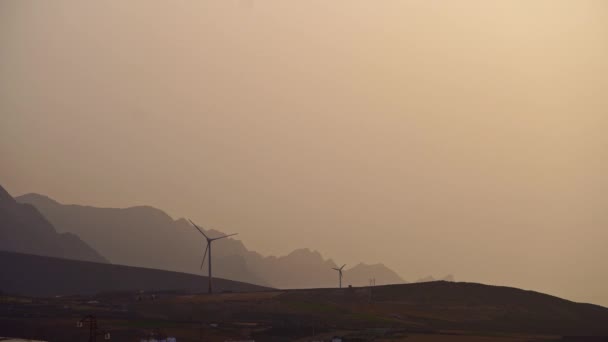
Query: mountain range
column 24, row 230
column 144, row 236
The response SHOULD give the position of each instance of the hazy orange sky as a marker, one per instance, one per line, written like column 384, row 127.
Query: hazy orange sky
column 464, row 137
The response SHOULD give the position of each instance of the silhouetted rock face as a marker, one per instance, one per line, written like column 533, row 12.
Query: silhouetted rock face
column 23, row 229
column 147, row 237
column 5, row 197
column 143, row 236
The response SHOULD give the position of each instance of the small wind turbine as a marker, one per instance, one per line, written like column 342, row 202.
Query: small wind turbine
column 209, row 241
column 339, row 273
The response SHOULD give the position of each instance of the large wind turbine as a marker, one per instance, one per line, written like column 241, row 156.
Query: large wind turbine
column 339, row 273
column 208, row 248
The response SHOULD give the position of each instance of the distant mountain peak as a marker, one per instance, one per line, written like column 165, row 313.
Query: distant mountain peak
column 362, row 264
column 139, row 212
column 24, row 229
column 307, row 254
column 149, row 211
column 33, row 197
column 363, row 272
column 147, row 236
column 5, row 196
column 305, row 251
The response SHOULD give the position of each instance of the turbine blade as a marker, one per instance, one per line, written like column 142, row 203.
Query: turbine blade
column 342, row 267
column 200, row 230
column 221, row 237
column 204, row 255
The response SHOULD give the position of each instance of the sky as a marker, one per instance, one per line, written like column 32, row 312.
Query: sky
column 437, row 137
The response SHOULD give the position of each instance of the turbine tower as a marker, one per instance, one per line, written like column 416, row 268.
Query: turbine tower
column 208, row 248
column 339, row 273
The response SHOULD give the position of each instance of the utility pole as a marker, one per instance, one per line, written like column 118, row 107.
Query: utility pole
column 92, row 322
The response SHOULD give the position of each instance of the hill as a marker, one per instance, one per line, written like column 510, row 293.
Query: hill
column 431, row 307
column 23, row 229
column 115, row 232
column 451, row 306
column 431, row 312
column 34, row 275
column 472, row 306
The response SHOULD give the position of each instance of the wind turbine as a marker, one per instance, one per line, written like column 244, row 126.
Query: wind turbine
column 209, row 241
column 339, row 273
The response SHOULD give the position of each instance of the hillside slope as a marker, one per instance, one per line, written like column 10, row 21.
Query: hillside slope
column 472, row 306
column 431, row 308
column 448, row 306
column 33, row 275
column 23, row 229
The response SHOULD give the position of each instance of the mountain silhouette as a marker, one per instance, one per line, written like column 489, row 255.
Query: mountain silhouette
column 147, row 237
column 24, row 229
column 361, row 273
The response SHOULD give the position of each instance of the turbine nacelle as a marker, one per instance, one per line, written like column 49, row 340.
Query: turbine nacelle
column 207, row 237
column 339, row 269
